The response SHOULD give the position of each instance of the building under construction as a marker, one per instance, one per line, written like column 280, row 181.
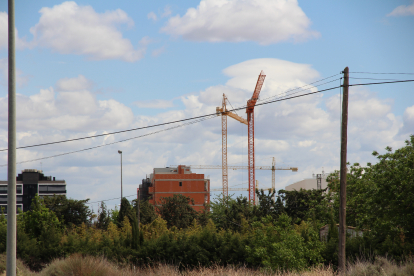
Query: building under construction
column 165, row 182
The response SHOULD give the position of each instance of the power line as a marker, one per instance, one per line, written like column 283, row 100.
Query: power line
column 302, row 87
column 206, row 117
column 109, row 199
column 120, row 141
column 151, row 126
column 371, row 79
column 379, row 82
column 382, row 73
column 198, row 117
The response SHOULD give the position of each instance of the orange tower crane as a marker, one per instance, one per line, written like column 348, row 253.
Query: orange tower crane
column 224, row 113
column 250, row 119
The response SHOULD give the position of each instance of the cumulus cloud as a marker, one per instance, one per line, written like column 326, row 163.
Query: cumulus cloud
column 73, row 108
column 408, row 121
column 304, row 132
column 263, row 21
column 72, row 29
column 4, row 31
column 74, row 84
column 403, row 10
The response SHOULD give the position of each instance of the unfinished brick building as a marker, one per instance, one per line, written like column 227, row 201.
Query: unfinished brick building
column 165, row 182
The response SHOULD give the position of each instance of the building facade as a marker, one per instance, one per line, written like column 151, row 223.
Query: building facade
column 165, row 182
column 29, row 183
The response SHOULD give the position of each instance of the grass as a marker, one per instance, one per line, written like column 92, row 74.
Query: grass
column 381, row 266
column 87, row 265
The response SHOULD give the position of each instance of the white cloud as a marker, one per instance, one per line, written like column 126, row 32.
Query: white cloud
column 403, row 10
column 4, row 31
column 302, row 133
column 74, row 84
column 71, row 29
column 154, row 104
column 73, row 108
column 408, row 121
column 152, row 16
column 263, row 21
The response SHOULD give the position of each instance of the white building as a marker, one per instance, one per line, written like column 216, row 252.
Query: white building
column 308, row 183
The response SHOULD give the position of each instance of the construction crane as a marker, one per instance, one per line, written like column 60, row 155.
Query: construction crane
column 273, row 168
column 244, row 189
column 224, row 113
column 250, row 123
column 250, row 119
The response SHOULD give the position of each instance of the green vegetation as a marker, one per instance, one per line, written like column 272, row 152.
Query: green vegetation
column 278, row 236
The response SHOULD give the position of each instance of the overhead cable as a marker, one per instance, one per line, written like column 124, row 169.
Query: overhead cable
column 151, row 126
column 198, row 117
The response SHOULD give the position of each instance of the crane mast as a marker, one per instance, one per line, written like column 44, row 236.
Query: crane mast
column 250, row 119
column 224, row 113
column 225, row 171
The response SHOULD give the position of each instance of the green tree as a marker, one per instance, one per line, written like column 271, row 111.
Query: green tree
column 39, row 219
column 218, row 207
column 69, row 211
column 103, row 217
column 238, row 212
column 177, row 211
column 305, row 204
column 147, row 212
column 380, row 197
column 277, row 245
column 126, row 210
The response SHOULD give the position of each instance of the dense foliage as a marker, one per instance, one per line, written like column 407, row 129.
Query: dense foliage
column 281, row 234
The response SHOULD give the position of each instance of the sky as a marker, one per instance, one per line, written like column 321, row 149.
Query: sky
column 93, row 67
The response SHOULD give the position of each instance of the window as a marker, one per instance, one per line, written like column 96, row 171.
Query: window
column 181, row 184
column 3, row 189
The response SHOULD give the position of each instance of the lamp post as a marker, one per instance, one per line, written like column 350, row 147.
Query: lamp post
column 120, row 152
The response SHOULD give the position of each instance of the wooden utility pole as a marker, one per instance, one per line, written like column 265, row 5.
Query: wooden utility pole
column 138, row 207
column 343, row 172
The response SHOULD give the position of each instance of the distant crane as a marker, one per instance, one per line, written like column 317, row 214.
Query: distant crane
column 250, row 118
column 273, row 168
column 244, row 189
column 224, row 113
column 250, row 123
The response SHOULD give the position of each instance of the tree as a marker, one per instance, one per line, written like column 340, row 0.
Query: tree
column 238, row 212
column 380, row 197
column 69, row 211
column 103, row 217
column 147, row 212
column 126, row 210
column 267, row 206
column 39, row 219
column 305, row 204
column 177, row 211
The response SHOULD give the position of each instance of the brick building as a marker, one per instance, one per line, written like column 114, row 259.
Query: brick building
column 165, row 182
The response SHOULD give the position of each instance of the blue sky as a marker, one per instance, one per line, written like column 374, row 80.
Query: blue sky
column 98, row 66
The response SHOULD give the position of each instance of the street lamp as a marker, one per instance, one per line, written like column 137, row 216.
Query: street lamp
column 120, row 152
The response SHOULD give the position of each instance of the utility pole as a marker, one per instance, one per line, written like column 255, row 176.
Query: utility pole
column 343, row 172
column 138, row 207
column 120, row 152
column 11, row 167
